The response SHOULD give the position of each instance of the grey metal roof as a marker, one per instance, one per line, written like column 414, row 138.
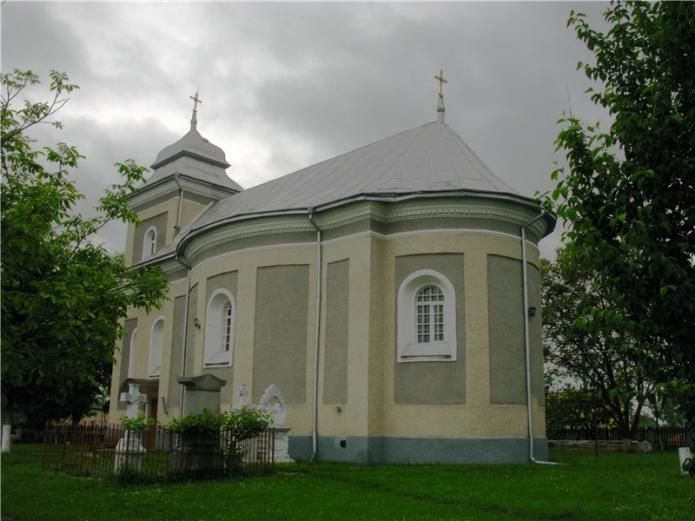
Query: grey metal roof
column 428, row 158
column 195, row 156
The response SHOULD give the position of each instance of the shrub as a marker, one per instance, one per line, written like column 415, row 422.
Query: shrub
column 245, row 423
column 239, row 425
column 200, row 425
column 138, row 423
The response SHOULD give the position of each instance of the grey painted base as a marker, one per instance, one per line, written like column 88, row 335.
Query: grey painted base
column 419, row 450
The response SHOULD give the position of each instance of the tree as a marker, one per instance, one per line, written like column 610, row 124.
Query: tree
column 585, row 343
column 627, row 193
column 62, row 294
column 575, row 409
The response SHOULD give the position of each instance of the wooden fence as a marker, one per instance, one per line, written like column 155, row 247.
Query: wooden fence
column 661, row 438
column 105, row 450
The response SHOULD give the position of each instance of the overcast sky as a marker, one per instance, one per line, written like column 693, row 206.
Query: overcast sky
column 285, row 85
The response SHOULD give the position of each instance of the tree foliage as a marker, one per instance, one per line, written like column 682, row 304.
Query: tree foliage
column 628, row 191
column 575, row 409
column 587, row 346
column 62, row 294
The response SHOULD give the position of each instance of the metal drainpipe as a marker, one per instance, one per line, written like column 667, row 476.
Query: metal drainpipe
column 315, row 394
column 527, row 344
column 185, row 264
column 177, row 229
column 178, row 211
column 182, row 395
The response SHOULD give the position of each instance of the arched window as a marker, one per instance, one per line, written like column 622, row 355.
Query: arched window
column 426, row 318
column 131, row 353
column 429, row 302
column 219, row 329
column 149, row 243
column 156, row 340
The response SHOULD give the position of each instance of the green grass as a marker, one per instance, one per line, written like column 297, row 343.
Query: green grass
column 613, row 486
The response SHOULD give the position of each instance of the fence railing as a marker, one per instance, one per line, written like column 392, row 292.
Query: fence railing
column 105, row 450
column 663, row 437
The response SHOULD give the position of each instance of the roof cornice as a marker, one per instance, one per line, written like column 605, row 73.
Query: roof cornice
column 349, row 211
column 515, row 210
column 531, row 204
column 168, row 186
column 188, row 153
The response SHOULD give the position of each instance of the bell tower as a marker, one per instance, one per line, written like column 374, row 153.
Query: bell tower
column 188, row 175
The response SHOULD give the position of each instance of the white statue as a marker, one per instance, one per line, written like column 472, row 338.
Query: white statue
column 273, row 403
column 129, row 450
column 133, row 399
column 242, row 396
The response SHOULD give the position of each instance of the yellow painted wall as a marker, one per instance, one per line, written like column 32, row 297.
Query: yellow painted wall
column 477, row 418
column 370, row 409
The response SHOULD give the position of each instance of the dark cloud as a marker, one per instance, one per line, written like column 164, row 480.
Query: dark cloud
column 32, row 38
column 288, row 84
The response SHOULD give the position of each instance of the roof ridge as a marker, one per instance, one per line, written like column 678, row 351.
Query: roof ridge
column 415, row 133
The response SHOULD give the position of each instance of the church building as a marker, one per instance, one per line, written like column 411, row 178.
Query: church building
column 391, row 293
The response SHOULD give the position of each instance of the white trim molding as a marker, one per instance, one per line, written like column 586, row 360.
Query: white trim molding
column 167, row 188
column 220, row 318
column 432, row 346
column 131, row 353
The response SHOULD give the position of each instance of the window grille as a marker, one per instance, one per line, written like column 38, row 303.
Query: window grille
column 430, row 315
column 227, row 321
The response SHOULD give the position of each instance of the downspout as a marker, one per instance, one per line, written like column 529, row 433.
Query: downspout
column 315, row 394
column 182, row 395
column 177, row 227
column 527, row 344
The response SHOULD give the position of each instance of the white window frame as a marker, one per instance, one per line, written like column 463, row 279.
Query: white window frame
column 408, row 348
column 149, row 246
column 131, row 353
column 156, row 343
column 216, row 352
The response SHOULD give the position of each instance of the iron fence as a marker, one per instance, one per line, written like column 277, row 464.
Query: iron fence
column 659, row 438
column 155, row 453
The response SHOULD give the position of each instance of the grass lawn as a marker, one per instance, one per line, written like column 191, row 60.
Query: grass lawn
column 613, row 486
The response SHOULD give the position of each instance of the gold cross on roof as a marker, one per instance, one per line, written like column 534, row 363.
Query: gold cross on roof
column 196, row 100
column 442, row 81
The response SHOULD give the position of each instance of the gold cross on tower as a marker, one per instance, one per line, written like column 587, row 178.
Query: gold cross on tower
column 442, row 81
column 196, row 100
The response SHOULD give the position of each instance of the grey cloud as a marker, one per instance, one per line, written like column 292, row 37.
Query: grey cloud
column 33, row 38
column 102, row 148
column 323, row 78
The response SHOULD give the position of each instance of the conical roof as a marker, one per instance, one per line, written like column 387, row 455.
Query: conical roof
column 194, row 145
column 429, row 158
